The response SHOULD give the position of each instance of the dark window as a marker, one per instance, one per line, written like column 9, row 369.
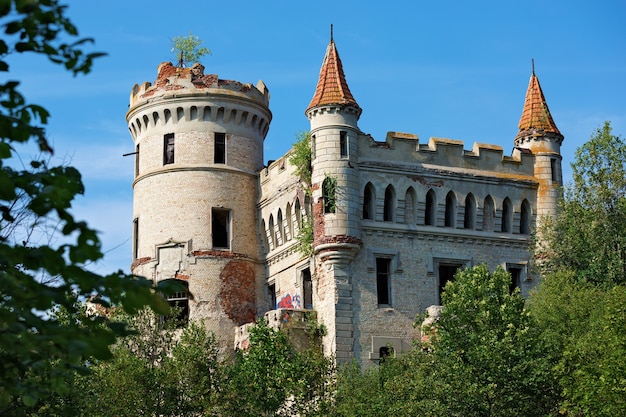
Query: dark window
column 450, row 216
column 430, row 213
column 179, row 303
column 554, row 170
column 388, row 209
column 168, row 149
column 220, row 148
column 383, row 280
column 329, row 194
column 135, row 237
column 470, row 212
column 343, row 144
column 446, row 274
column 506, row 216
column 221, row 228
column 384, row 353
column 524, row 223
column 368, row 202
column 516, row 277
column 271, row 292
column 307, row 289
column 137, row 160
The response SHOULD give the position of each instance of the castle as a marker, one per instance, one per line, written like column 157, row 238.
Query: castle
column 392, row 220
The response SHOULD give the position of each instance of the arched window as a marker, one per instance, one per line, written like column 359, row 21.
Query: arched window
column 298, row 211
column 266, row 244
column 469, row 221
column 450, row 218
column 281, row 231
column 507, row 215
column 488, row 214
column 329, row 194
column 369, row 202
column 524, row 221
column 272, row 232
column 430, row 212
column 390, row 204
column 289, row 230
column 410, row 200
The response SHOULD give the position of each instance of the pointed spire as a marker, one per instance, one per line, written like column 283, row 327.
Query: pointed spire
column 536, row 115
column 332, row 87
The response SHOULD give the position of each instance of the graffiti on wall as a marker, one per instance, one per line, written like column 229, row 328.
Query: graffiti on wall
column 290, row 301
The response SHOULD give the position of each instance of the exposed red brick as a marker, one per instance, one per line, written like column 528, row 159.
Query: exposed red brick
column 219, row 254
column 238, row 292
column 140, row 261
column 182, row 277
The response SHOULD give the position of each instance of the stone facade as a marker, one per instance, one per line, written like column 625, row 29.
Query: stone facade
column 403, row 216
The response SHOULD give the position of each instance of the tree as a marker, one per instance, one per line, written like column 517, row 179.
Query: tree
column 272, row 378
column 188, row 49
column 39, row 352
column 589, row 234
column 487, row 358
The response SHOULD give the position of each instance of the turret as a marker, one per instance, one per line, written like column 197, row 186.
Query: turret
column 539, row 135
column 334, row 113
column 198, row 146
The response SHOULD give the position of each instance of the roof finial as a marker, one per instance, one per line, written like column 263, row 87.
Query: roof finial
column 532, row 60
column 331, row 32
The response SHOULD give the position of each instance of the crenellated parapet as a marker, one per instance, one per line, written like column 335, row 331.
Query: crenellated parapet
column 188, row 95
column 404, row 149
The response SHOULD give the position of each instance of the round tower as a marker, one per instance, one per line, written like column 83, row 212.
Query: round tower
column 538, row 134
column 198, row 148
column 333, row 114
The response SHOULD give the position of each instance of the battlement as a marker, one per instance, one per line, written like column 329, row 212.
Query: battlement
column 176, row 81
column 405, row 148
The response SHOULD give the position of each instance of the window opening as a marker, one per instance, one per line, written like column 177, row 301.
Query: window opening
column 220, row 223
column 368, row 203
column 470, row 212
column 179, row 304
column 307, row 289
column 554, row 170
column 168, row 149
column 383, row 284
column 329, row 194
column 450, row 216
column 430, row 212
column 388, row 211
column 135, row 237
column 516, row 277
column 137, row 160
column 343, row 144
column 220, row 148
column 506, row 216
column 271, row 292
column 446, row 274
column 384, row 353
column 488, row 214
column 524, row 225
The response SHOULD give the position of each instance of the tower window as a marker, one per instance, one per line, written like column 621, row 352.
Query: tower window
column 220, row 223
column 450, row 214
column 383, row 281
column 137, row 160
column 135, row 237
column 179, row 304
column 343, row 144
column 307, row 289
column 430, row 215
column 329, row 194
column 554, row 170
column 516, row 272
column 446, row 274
column 220, row 148
column 168, row 149
column 389, row 204
column 368, row 202
column 506, row 216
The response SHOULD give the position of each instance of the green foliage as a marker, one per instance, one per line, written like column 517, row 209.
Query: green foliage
column 300, row 158
column 305, row 237
column 487, row 359
column 39, row 352
column 273, row 379
column 188, row 49
column 329, row 194
column 587, row 326
column 596, row 200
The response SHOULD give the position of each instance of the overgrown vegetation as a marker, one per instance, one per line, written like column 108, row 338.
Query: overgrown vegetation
column 188, row 49
column 300, row 158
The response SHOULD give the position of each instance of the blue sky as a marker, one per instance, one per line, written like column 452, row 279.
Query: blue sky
column 453, row 69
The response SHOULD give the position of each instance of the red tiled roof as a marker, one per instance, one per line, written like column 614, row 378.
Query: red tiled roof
column 536, row 114
column 332, row 87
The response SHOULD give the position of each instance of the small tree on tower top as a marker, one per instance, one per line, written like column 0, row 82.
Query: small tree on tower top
column 188, row 49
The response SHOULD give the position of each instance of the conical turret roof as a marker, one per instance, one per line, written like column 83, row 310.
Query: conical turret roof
column 332, row 87
column 536, row 115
